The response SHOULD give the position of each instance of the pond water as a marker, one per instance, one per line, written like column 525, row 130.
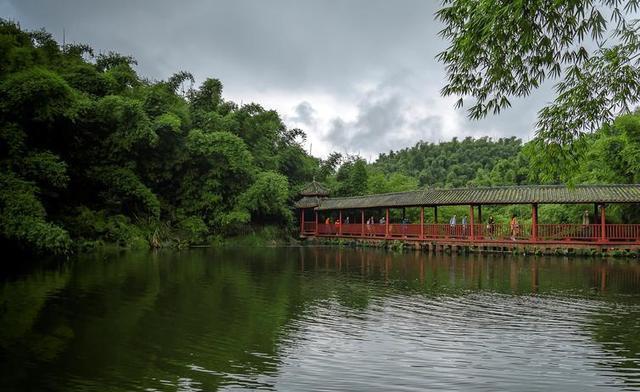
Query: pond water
column 320, row 319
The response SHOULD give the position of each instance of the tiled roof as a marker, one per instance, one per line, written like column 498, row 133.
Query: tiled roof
column 542, row 194
column 308, row 202
column 314, row 188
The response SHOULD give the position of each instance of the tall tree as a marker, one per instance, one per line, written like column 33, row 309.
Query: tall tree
column 505, row 49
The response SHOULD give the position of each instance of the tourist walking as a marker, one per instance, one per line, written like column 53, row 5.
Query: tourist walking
column 515, row 227
column 491, row 226
column 464, row 225
column 452, row 224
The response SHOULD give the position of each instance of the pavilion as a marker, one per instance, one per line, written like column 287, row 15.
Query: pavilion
column 315, row 206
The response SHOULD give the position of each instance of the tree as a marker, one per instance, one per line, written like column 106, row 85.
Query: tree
column 90, row 152
column 267, row 199
column 505, row 49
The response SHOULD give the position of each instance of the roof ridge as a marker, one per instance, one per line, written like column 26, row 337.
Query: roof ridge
column 513, row 194
column 526, row 186
column 377, row 194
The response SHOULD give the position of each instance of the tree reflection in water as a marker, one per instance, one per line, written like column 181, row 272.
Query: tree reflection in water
column 207, row 319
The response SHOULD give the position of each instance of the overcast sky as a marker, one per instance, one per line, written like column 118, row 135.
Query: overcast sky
column 359, row 76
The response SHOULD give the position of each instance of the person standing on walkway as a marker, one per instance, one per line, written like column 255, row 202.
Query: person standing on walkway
column 464, row 225
column 405, row 222
column 585, row 224
column 515, row 227
column 490, row 226
column 452, row 223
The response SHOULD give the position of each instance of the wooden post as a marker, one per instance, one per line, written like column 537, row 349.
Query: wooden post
column 386, row 223
column 480, row 214
column 341, row 223
column 534, row 222
column 421, row 223
column 362, row 222
column 603, row 219
column 595, row 213
column 471, row 221
column 316, row 231
column 302, row 221
column 435, row 215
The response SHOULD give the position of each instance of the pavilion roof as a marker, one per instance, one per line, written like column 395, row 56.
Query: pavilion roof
column 308, row 202
column 541, row 194
column 314, row 188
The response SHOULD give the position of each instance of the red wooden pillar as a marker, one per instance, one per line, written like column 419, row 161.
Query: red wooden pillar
column 421, row 223
column 341, row 223
column 534, row 222
column 603, row 219
column 362, row 223
column 316, row 230
column 302, row 221
column 471, row 221
column 386, row 223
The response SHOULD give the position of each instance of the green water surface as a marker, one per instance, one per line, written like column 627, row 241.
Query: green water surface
column 320, row 319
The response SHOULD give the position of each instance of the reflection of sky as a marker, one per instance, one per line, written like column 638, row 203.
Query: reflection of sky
column 477, row 341
column 312, row 318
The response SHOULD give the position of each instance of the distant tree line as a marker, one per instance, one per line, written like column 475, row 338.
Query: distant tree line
column 611, row 155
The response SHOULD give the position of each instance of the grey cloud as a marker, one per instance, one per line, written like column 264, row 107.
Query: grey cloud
column 287, row 43
column 382, row 124
column 255, row 47
column 304, row 114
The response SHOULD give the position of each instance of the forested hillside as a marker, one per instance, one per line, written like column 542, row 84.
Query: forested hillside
column 448, row 164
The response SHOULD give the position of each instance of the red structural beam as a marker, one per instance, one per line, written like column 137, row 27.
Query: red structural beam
column 534, row 222
column 386, row 223
column 421, row 222
column 471, row 220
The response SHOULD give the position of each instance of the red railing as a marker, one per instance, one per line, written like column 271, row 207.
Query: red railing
column 352, row 229
column 486, row 232
column 309, row 227
column 376, row 230
column 569, row 232
column 622, row 232
column 404, row 230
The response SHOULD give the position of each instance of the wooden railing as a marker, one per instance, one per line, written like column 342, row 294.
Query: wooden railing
column 613, row 233
column 309, row 227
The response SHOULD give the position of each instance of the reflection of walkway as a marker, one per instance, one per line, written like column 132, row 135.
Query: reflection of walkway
column 508, row 274
column 485, row 304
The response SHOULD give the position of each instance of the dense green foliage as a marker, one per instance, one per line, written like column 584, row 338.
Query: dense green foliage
column 91, row 151
column 505, row 49
column 448, row 164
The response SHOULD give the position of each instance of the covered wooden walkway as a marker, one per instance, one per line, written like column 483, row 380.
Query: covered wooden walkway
column 351, row 216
